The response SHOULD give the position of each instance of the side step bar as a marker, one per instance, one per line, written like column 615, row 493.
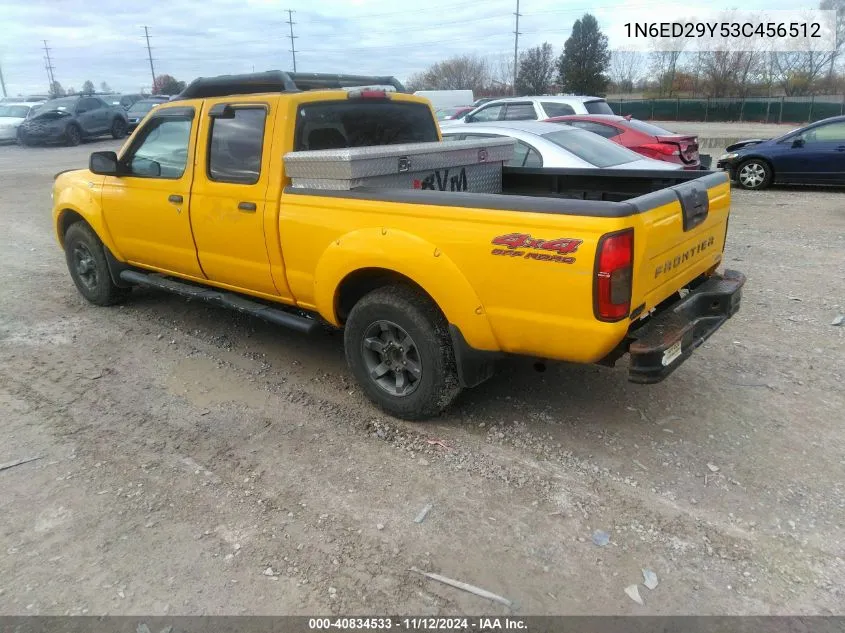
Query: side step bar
column 222, row 298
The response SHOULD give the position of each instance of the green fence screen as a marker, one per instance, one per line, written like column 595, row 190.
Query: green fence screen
column 775, row 110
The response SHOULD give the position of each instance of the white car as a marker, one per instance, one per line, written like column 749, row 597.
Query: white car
column 11, row 116
column 541, row 144
column 533, row 109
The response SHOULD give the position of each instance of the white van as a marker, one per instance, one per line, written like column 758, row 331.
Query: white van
column 447, row 98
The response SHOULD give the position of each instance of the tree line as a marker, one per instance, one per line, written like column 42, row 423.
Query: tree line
column 586, row 66
column 163, row 85
column 581, row 68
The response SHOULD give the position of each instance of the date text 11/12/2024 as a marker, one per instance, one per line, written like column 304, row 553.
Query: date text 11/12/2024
column 480, row 624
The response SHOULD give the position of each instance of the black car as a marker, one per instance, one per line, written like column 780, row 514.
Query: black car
column 138, row 110
column 69, row 120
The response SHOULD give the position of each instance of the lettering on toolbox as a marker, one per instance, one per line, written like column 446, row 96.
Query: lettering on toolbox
column 561, row 248
column 669, row 264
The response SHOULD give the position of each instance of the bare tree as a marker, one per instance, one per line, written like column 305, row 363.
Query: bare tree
column 463, row 72
column 664, row 67
column 626, row 67
column 501, row 74
column 536, row 70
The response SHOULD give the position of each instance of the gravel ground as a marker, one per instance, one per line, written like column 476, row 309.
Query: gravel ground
column 196, row 461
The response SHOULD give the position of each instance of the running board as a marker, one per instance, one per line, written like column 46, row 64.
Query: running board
column 222, row 298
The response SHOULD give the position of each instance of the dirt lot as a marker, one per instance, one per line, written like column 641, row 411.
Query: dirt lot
column 198, row 461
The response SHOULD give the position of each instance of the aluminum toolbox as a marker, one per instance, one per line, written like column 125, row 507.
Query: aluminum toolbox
column 474, row 166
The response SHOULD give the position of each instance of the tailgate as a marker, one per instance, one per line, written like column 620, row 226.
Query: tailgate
column 680, row 235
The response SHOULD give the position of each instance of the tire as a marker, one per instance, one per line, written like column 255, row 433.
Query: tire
column 73, row 135
column 86, row 262
column 398, row 348
column 754, row 174
column 118, row 128
column 23, row 140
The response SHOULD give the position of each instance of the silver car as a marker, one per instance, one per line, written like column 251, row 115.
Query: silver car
column 541, row 144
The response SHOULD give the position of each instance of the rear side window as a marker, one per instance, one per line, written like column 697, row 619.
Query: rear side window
column 607, row 131
column 648, row 128
column 598, row 106
column 557, row 109
column 363, row 123
column 234, row 148
column 520, row 112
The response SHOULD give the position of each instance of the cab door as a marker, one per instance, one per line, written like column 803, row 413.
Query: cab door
column 233, row 213
column 147, row 207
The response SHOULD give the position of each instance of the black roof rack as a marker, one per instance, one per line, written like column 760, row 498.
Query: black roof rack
column 278, row 81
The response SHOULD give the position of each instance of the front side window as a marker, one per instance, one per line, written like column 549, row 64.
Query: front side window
column 88, row 104
column 490, row 113
column 830, row 133
column 235, row 145
column 162, row 151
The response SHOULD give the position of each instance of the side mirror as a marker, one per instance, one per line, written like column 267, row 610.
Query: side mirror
column 798, row 142
column 104, row 164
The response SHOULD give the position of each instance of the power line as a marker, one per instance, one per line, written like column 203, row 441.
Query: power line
column 292, row 38
column 516, row 47
column 49, row 66
column 150, row 55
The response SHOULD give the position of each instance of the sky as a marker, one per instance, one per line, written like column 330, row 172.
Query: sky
column 103, row 40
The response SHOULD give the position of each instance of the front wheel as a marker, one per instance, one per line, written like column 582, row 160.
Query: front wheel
column 86, row 262
column 118, row 128
column 754, row 174
column 398, row 347
column 73, row 135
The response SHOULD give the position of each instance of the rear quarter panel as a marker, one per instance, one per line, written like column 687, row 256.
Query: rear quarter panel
column 518, row 300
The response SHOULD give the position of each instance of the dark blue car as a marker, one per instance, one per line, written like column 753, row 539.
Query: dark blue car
column 814, row 154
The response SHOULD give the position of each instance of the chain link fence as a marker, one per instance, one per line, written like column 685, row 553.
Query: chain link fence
column 753, row 109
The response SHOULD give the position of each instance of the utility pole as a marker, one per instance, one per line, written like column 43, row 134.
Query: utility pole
column 49, row 67
column 292, row 38
column 2, row 81
column 150, row 56
column 516, row 47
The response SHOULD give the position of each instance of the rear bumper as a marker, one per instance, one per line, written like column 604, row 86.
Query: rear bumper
column 668, row 338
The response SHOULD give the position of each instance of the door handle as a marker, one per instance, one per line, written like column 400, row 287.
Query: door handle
column 174, row 198
column 249, row 207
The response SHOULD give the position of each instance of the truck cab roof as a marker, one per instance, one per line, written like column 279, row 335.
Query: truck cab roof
column 277, row 81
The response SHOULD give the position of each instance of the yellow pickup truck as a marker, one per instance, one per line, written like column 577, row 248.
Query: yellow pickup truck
column 429, row 286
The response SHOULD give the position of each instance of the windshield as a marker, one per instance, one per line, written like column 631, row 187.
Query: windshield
column 142, row 107
column 599, row 106
column 66, row 103
column 591, row 147
column 14, row 111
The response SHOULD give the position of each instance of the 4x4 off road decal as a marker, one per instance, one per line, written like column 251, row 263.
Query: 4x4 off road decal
column 559, row 250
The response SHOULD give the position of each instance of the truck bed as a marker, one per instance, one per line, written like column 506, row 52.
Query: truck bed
column 611, row 193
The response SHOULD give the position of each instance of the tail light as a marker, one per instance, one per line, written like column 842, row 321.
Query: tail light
column 667, row 149
column 613, row 276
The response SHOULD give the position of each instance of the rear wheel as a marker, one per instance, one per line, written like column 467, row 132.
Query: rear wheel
column 754, row 174
column 86, row 262
column 398, row 347
column 73, row 135
column 118, row 128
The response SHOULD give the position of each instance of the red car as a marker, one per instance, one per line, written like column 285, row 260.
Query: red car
column 639, row 136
